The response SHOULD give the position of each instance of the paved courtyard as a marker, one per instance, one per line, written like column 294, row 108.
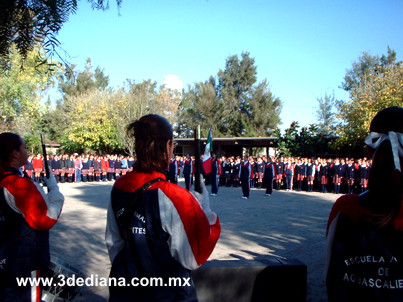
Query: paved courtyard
column 286, row 225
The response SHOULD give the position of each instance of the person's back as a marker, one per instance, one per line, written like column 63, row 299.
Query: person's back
column 366, row 263
column 150, row 250
column 27, row 213
column 157, row 230
column 365, row 232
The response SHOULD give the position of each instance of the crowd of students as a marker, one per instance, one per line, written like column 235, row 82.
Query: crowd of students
column 339, row 175
column 77, row 168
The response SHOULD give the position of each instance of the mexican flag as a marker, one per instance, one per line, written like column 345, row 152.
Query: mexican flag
column 207, row 153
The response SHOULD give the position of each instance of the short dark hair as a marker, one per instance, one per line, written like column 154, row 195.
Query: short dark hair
column 151, row 133
column 8, row 143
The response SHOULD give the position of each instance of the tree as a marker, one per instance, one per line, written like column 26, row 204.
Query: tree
column 233, row 92
column 24, row 23
column 166, row 104
column 307, row 142
column 199, row 107
column 131, row 105
column 74, row 83
column 236, row 106
column 141, row 99
column 264, row 111
column 22, row 102
column 286, row 143
column 247, row 109
column 378, row 89
column 365, row 66
column 91, row 124
column 325, row 114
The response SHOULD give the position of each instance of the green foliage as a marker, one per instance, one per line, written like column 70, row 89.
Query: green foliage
column 325, row 114
column 25, row 23
column 74, row 83
column 91, row 124
column 130, row 105
column 366, row 66
column 92, row 117
column 22, row 105
column 199, row 107
column 33, row 143
column 236, row 106
column 307, row 142
column 379, row 87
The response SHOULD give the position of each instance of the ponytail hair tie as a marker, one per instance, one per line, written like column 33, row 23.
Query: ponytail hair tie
column 374, row 139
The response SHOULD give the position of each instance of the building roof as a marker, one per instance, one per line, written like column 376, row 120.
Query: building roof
column 245, row 141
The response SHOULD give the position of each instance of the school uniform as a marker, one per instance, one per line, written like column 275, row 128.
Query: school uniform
column 268, row 177
column 118, row 168
column 324, row 172
column 350, row 177
column 173, row 169
column 317, row 178
column 245, row 175
column 29, row 169
column 289, row 173
column 338, row 173
column 227, row 170
column 70, row 170
column 56, row 167
column 105, row 168
column 98, row 169
column 37, row 163
column 279, row 175
column 91, row 170
column 310, row 175
column 111, row 170
column 299, row 171
column 216, row 172
column 364, row 174
column 235, row 174
column 187, row 173
column 259, row 174
column 84, row 171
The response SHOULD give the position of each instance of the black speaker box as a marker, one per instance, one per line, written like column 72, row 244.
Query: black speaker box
column 266, row 279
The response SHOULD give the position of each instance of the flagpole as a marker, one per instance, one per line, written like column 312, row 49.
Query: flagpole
column 197, row 159
column 45, row 160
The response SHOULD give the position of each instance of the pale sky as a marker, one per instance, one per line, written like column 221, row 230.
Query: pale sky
column 302, row 48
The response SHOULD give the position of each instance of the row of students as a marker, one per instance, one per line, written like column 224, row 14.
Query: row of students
column 310, row 174
column 76, row 168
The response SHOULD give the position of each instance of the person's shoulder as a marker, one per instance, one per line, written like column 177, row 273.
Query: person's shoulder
column 17, row 184
column 133, row 180
column 124, row 180
column 172, row 190
column 348, row 205
column 346, row 200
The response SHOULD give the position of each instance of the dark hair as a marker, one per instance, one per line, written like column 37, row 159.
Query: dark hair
column 385, row 183
column 151, row 133
column 389, row 119
column 8, row 143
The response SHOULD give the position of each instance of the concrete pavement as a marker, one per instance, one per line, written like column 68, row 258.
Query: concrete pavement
column 285, row 225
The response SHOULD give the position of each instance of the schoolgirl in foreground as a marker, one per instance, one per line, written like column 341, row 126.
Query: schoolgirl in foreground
column 365, row 232
column 157, row 229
